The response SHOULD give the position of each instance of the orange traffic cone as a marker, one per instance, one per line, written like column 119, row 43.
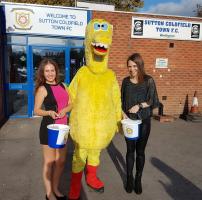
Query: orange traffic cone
column 194, row 107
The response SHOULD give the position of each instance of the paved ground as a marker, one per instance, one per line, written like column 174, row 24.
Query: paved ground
column 173, row 167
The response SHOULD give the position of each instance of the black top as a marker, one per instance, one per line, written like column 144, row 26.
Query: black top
column 132, row 94
column 50, row 102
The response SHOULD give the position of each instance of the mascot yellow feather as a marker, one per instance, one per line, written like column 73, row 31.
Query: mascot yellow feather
column 96, row 108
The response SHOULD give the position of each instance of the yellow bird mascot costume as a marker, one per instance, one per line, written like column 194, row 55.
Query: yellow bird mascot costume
column 96, row 108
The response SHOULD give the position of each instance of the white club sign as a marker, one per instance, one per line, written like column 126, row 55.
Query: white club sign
column 156, row 28
column 45, row 20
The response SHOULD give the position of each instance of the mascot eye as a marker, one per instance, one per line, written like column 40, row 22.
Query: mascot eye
column 104, row 27
column 97, row 26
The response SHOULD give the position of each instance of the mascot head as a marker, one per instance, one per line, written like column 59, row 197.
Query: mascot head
column 97, row 43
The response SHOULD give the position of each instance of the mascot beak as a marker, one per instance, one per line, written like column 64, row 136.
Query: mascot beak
column 100, row 48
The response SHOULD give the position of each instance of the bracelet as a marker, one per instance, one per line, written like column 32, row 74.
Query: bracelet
column 49, row 113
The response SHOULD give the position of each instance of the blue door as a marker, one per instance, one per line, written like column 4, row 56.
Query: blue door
column 17, row 73
column 69, row 60
column 59, row 54
column 23, row 62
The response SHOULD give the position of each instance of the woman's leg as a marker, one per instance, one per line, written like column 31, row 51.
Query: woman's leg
column 130, row 159
column 49, row 159
column 140, row 153
column 58, row 169
column 141, row 145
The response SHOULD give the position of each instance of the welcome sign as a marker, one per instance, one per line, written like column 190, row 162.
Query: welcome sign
column 166, row 29
column 45, row 20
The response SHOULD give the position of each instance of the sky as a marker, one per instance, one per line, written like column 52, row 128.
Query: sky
column 171, row 7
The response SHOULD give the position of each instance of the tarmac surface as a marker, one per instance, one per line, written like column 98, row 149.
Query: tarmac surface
column 173, row 168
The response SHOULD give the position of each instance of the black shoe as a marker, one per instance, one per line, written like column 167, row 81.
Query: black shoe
column 99, row 190
column 138, row 184
column 60, row 198
column 129, row 184
column 47, row 198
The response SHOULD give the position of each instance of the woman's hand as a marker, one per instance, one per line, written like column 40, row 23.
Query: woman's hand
column 53, row 114
column 124, row 115
column 134, row 109
column 62, row 113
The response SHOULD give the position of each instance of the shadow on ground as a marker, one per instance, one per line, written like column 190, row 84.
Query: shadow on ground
column 118, row 161
column 179, row 188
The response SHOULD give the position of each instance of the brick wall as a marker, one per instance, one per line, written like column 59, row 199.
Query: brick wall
column 184, row 73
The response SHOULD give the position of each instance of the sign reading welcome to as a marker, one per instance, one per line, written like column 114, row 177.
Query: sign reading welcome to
column 165, row 29
column 45, row 20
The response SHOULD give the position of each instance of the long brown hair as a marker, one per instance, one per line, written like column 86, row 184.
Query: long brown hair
column 137, row 59
column 40, row 78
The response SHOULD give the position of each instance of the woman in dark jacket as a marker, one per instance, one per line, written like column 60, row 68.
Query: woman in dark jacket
column 139, row 97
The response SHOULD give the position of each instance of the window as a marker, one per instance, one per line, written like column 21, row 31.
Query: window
column 17, row 68
column 47, row 41
column 75, row 42
column 17, row 102
column 16, row 39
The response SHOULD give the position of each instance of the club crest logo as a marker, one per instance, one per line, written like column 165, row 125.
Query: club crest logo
column 22, row 18
column 129, row 130
column 195, row 31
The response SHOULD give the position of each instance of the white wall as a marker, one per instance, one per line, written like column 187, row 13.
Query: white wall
column 96, row 6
